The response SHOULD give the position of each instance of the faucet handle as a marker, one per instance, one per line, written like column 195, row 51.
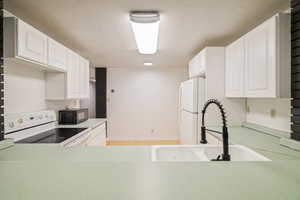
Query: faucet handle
column 217, row 159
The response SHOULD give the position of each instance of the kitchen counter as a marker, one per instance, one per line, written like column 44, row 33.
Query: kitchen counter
column 90, row 123
column 127, row 173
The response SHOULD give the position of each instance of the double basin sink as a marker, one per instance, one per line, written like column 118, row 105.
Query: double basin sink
column 194, row 153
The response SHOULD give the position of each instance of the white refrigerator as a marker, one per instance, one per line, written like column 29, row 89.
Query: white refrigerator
column 191, row 101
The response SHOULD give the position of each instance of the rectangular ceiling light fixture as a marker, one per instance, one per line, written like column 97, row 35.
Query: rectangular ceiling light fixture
column 145, row 26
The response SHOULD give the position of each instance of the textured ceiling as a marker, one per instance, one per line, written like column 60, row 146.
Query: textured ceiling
column 100, row 31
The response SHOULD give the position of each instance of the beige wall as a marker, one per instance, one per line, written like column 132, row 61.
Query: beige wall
column 144, row 104
column 260, row 113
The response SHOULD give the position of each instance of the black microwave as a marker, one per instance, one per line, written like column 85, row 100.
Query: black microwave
column 73, row 116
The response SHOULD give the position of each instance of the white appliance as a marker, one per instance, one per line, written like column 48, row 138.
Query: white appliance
column 41, row 127
column 192, row 99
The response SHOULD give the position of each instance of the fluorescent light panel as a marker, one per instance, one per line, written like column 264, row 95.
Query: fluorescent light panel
column 145, row 27
column 148, row 64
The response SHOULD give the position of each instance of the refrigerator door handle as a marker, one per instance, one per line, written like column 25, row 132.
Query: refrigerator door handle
column 196, row 113
column 179, row 108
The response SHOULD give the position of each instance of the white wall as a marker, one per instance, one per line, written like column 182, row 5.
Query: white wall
column 260, row 113
column 25, row 88
column 144, row 105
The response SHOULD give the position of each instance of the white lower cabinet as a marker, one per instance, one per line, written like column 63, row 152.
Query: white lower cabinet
column 97, row 136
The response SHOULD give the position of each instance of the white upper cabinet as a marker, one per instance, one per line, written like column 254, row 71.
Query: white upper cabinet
column 74, row 84
column 197, row 65
column 26, row 45
column 57, row 54
column 87, row 79
column 72, row 75
column 84, row 74
column 67, row 74
column 234, row 69
column 261, row 60
column 261, row 69
column 268, row 64
column 32, row 44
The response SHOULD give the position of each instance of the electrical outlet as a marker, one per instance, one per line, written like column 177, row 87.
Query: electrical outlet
column 273, row 113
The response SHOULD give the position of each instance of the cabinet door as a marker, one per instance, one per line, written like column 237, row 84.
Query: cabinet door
column 87, row 79
column 57, row 54
column 260, row 74
column 81, row 78
column 197, row 65
column 97, row 136
column 32, row 44
column 84, row 78
column 72, row 75
column 234, row 69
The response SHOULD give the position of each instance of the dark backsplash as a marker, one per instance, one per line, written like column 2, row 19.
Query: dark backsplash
column 1, row 77
column 295, row 127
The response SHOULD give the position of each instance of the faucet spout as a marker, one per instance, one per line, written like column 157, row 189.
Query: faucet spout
column 225, row 156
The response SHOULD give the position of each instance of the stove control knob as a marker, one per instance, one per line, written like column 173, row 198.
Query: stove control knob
column 40, row 116
column 20, row 121
column 46, row 116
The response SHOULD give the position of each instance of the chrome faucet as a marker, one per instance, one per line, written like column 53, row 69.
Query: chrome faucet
column 225, row 156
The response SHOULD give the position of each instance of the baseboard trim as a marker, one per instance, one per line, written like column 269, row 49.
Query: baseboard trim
column 141, row 142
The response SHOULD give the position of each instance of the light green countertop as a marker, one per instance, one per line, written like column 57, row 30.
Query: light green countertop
column 126, row 173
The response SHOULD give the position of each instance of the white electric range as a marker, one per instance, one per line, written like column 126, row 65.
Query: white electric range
column 42, row 128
